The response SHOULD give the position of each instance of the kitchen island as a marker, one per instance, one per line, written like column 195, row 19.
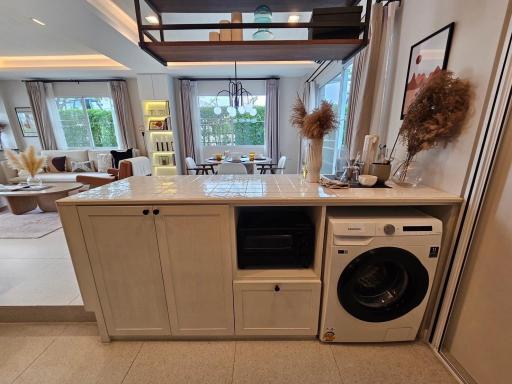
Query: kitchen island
column 155, row 257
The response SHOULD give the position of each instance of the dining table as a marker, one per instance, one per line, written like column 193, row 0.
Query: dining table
column 249, row 164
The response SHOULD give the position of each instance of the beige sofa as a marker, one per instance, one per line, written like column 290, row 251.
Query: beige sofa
column 62, row 177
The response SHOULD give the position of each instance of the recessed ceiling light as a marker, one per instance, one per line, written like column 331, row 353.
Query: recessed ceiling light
column 37, row 21
column 151, row 19
column 293, row 18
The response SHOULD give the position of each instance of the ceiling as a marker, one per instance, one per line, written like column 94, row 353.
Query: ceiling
column 107, row 30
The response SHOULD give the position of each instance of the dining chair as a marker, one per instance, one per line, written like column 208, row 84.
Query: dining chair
column 231, row 169
column 199, row 169
column 273, row 168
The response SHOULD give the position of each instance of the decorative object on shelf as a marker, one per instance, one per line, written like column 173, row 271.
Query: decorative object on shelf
column 313, row 127
column 240, row 99
column 263, row 14
column 225, row 34
column 214, row 36
column 27, row 162
column 158, row 125
column 434, row 118
column 26, row 121
column 381, row 170
column 3, row 126
column 237, row 34
column 348, row 18
column 427, row 57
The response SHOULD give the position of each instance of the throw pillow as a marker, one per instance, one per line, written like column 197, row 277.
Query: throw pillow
column 56, row 164
column 82, row 166
column 117, row 156
column 104, row 162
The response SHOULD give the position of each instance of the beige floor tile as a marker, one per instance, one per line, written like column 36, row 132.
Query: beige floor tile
column 186, row 362
column 389, row 364
column 21, row 344
column 277, row 362
column 81, row 359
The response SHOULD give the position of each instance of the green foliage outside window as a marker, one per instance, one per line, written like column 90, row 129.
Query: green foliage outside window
column 225, row 130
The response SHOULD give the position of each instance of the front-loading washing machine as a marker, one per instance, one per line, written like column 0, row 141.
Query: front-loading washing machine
column 379, row 268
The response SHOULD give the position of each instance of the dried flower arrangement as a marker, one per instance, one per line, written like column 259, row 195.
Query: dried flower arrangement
column 316, row 124
column 436, row 116
column 26, row 161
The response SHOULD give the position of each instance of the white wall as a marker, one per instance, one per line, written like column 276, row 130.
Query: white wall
column 478, row 25
column 138, row 119
column 14, row 94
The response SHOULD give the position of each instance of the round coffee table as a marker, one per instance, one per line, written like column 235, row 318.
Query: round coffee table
column 23, row 201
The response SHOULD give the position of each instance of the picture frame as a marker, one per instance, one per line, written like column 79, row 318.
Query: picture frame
column 157, row 125
column 427, row 56
column 26, row 121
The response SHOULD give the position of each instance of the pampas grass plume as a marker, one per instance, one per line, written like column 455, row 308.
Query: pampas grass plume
column 25, row 161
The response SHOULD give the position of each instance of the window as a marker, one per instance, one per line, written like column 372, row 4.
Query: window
column 87, row 122
column 337, row 92
column 223, row 129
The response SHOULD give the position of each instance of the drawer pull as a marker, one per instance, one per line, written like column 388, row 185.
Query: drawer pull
column 277, row 288
column 145, row 212
column 156, row 211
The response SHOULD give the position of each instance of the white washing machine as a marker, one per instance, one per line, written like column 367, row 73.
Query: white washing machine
column 379, row 267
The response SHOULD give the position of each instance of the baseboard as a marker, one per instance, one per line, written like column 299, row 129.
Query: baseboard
column 45, row 314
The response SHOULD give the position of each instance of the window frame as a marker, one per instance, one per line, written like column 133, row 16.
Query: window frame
column 91, row 145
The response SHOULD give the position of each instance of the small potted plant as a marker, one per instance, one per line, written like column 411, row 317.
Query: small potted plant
column 313, row 127
column 27, row 162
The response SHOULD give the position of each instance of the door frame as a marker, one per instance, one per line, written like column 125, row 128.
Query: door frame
column 498, row 115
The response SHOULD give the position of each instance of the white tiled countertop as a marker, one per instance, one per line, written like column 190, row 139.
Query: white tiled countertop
column 250, row 190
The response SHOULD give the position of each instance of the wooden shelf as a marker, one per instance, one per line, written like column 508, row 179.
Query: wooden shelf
column 272, row 50
column 221, row 6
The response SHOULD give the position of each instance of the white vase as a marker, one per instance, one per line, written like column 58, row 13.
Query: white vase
column 314, row 160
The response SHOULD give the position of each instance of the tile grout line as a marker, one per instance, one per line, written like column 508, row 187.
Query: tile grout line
column 233, row 367
column 336, row 363
column 38, row 356
column 131, row 364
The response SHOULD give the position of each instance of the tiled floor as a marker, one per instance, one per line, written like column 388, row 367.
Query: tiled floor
column 73, row 354
column 37, row 272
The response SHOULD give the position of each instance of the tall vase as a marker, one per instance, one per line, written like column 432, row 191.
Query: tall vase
column 314, row 160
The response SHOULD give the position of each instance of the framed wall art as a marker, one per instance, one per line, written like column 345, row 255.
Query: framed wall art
column 426, row 58
column 26, row 121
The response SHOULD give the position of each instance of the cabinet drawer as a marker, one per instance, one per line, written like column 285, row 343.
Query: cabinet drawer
column 277, row 307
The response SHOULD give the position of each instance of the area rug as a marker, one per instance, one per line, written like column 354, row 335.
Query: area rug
column 31, row 225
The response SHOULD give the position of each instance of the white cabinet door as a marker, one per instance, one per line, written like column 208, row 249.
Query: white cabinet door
column 123, row 251
column 195, row 251
column 277, row 307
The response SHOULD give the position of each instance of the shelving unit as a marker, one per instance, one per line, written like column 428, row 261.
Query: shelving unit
column 160, row 142
column 152, row 37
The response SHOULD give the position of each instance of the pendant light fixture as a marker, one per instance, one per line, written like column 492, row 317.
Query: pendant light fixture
column 241, row 101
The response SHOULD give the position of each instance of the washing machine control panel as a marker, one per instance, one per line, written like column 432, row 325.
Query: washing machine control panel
column 389, row 229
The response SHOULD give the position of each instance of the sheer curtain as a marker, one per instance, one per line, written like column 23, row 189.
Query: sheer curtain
column 38, row 101
column 369, row 102
column 123, row 110
column 54, row 117
column 272, row 119
column 190, row 121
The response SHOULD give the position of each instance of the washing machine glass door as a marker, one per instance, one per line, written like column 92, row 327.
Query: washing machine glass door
column 382, row 284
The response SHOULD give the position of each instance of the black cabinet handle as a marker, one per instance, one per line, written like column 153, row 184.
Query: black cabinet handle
column 145, row 212
column 276, row 288
column 156, row 211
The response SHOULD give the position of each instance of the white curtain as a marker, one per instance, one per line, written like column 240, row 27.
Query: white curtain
column 190, row 121
column 54, row 117
column 369, row 100
column 38, row 102
column 123, row 111
column 272, row 119
column 309, row 98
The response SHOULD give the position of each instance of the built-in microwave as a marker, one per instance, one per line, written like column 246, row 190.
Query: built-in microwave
column 274, row 238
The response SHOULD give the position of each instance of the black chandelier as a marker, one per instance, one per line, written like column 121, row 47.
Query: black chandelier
column 240, row 99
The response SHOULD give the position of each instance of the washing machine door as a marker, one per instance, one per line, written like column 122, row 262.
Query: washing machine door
column 382, row 284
